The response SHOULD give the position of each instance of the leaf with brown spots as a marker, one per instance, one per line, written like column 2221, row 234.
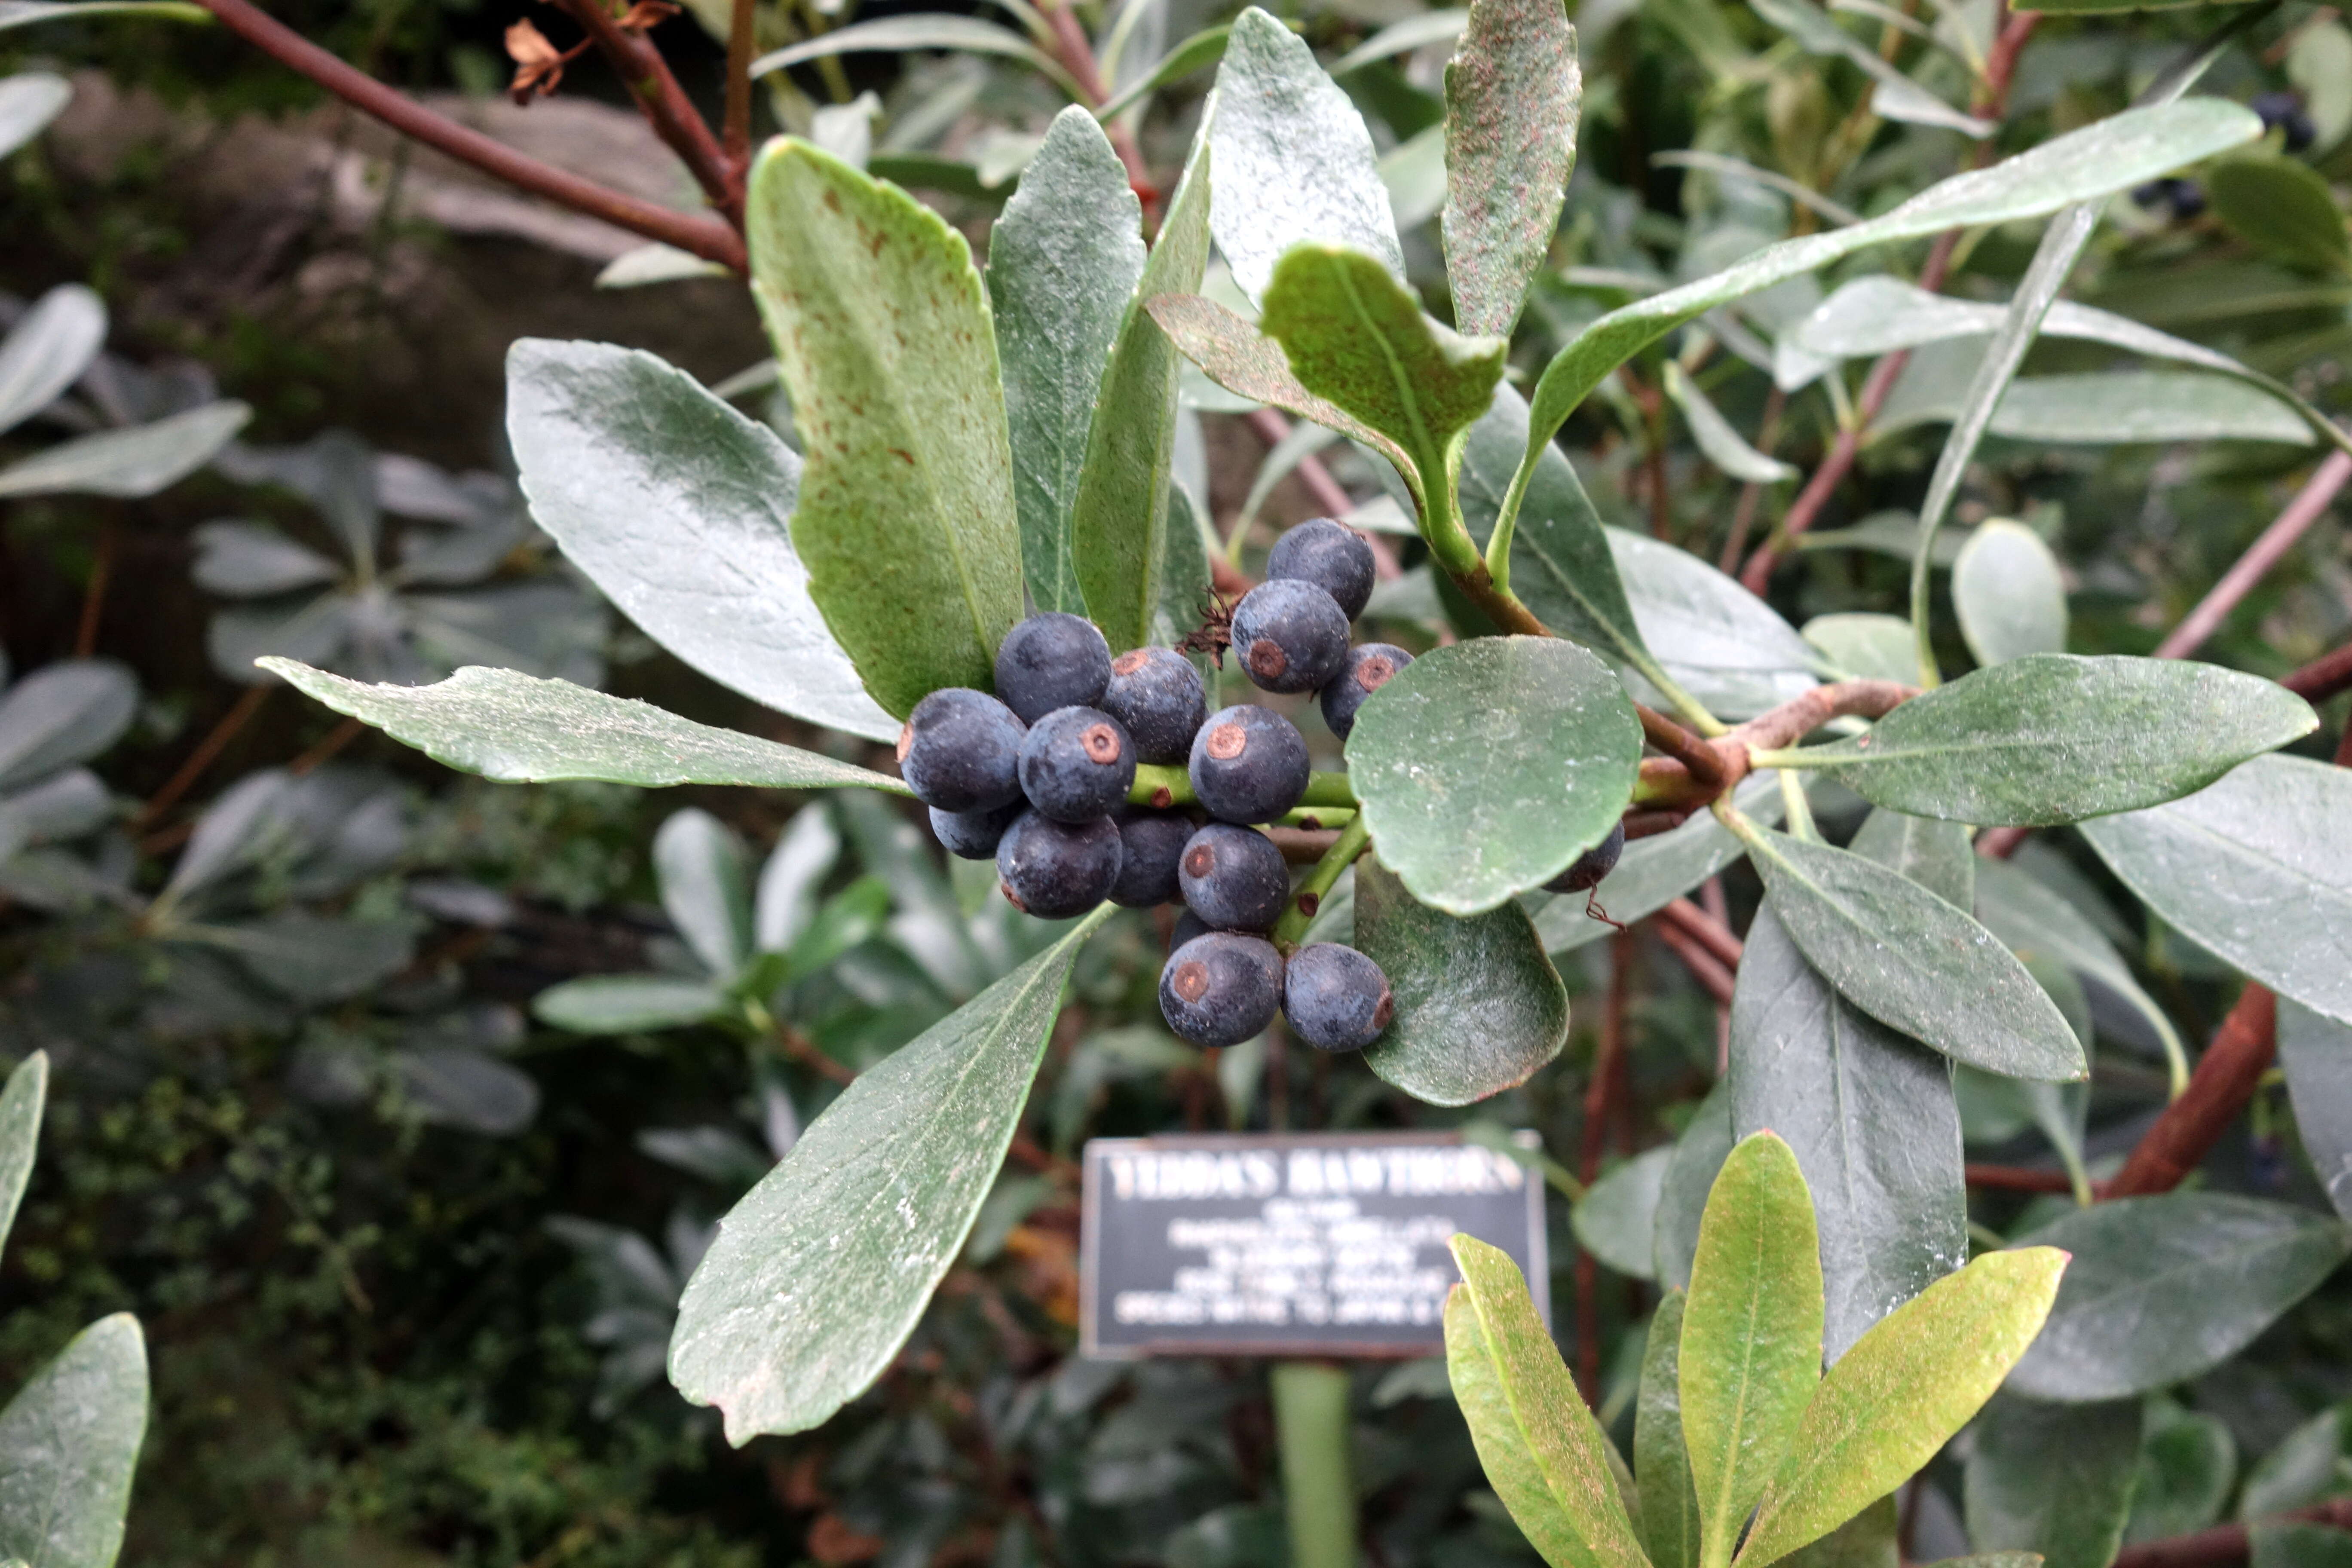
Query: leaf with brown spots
column 1512, row 96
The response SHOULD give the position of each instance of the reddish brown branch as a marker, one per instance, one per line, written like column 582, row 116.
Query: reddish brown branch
column 210, row 747
column 742, row 41
column 1705, row 967
column 1667, row 782
column 1706, row 929
column 2225, row 1545
column 667, row 109
column 705, row 236
column 1600, row 1102
column 1700, row 761
column 2323, row 676
column 2221, row 1087
column 2308, row 506
column 2018, row 1179
column 1077, row 57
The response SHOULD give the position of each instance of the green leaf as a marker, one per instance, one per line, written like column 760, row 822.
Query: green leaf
column 1655, row 871
column 2257, row 868
column 1357, row 337
column 1912, row 961
column 2304, row 1467
column 20, row 1133
column 1868, row 1540
column 28, row 101
column 1699, row 1153
column 1751, row 1344
column 1293, row 159
column 1239, row 358
column 23, row 13
column 1936, row 855
column 2110, row 155
column 2056, row 738
column 1616, row 1220
column 1670, row 1515
column 2282, row 208
column 1725, row 647
column 69, row 1444
column 1543, row 1454
column 519, row 729
column 1203, row 47
column 1896, row 96
column 1412, row 32
column 1119, row 519
column 61, row 714
column 679, row 509
column 2319, row 63
column 2188, row 1464
column 48, row 349
column 2010, row 592
column 1512, row 95
column 316, row 959
column 627, row 1004
column 131, row 463
column 1871, row 1119
column 1901, row 1392
column 2163, row 1288
column 1062, row 262
column 2099, row 408
column 2293, row 1545
column 1723, row 447
column 1478, row 1006
column 703, row 872
column 1485, row 768
column 2316, row 1052
column 1562, row 566
column 1864, row 647
column 922, row 30
column 881, row 332
column 820, row 1273
column 2035, row 922
column 2053, row 1478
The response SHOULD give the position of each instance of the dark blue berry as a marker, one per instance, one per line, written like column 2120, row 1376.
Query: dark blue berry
column 1368, row 666
column 1077, row 764
column 1289, row 636
column 1248, row 764
column 973, row 834
column 1151, row 843
column 1157, row 694
column 1222, row 988
column 1335, row 997
column 1234, row 877
column 1050, row 661
column 1054, row 870
column 1592, row 865
column 960, row 749
column 2285, row 110
column 1333, row 557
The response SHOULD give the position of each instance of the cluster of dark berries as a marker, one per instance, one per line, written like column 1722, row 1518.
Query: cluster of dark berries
column 2186, row 199
column 1039, row 774
column 2285, row 111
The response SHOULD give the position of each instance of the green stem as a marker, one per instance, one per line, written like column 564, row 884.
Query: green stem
column 1317, row 885
column 1800, row 809
column 1164, row 785
column 1310, row 1420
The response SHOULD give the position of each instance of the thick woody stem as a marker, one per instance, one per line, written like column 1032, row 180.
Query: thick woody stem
column 1666, row 782
column 666, row 108
column 2225, row 1545
column 2223, row 1085
column 704, row 236
column 2323, row 676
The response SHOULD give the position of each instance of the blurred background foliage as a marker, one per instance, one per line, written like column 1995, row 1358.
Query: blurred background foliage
column 399, row 1105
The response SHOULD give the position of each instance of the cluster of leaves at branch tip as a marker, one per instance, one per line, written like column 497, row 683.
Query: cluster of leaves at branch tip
column 1746, row 1451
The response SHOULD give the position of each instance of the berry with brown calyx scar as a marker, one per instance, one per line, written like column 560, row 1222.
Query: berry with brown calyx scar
column 1234, row 877
column 1248, row 764
column 1291, row 636
column 1370, row 666
column 1222, row 988
column 1077, row 764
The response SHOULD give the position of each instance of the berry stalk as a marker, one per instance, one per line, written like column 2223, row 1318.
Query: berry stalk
column 1309, row 897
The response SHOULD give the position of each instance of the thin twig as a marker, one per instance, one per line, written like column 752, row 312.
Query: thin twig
column 741, row 40
column 2225, row 1545
column 2308, row 506
column 1743, row 516
column 667, row 109
column 709, row 238
column 207, row 749
column 1600, row 1101
column 2018, row 1179
column 1077, row 57
column 1716, row 980
column 93, row 598
column 1706, row 929
column 1670, row 781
